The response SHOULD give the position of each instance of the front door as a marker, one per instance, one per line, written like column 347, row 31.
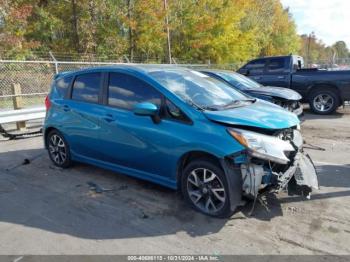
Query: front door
column 277, row 73
column 137, row 142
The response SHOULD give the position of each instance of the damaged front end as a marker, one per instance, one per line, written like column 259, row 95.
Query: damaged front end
column 274, row 162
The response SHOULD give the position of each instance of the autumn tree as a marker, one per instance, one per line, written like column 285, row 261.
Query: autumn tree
column 219, row 31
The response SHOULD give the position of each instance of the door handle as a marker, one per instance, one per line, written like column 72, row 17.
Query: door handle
column 66, row 108
column 280, row 77
column 108, row 118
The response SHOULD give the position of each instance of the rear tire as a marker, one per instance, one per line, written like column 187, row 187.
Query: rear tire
column 58, row 149
column 205, row 188
column 324, row 101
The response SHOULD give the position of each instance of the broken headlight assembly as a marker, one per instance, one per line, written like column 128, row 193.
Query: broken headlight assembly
column 261, row 146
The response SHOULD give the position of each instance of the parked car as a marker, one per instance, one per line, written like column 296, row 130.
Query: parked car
column 178, row 128
column 284, row 97
column 324, row 90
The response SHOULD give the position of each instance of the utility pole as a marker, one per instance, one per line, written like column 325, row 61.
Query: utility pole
column 167, row 31
column 308, row 50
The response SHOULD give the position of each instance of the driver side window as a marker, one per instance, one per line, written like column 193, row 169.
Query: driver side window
column 124, row 91
column 256, row 67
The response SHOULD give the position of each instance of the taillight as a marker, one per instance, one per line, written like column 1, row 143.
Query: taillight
column 47, row 103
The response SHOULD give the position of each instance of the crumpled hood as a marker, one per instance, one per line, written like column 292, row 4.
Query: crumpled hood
column 275, row 91
column 260, row 114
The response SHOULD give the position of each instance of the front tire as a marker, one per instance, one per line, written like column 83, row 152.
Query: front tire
column 324, row 101
column 58, row 149
column 204, row 186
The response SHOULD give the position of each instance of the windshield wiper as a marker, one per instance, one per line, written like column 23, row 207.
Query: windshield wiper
column 191, row 103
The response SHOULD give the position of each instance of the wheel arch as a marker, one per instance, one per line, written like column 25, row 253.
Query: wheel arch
column 232, row 174
column 319, row 86
column 187, row 157
column 46, row 132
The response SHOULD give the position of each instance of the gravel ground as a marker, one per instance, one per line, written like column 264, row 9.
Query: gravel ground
column 46, row 210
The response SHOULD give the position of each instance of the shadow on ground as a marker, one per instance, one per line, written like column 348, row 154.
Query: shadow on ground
column 39, row 195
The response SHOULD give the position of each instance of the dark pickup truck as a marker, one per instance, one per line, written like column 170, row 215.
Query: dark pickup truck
column 324, row 90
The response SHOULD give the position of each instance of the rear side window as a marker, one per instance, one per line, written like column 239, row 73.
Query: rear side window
column 256, row 67
column 275, row 65
column 124, row 91
column 62, row 85
column 86, row 87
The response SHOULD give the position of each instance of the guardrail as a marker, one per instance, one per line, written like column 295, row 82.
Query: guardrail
column 20, row 115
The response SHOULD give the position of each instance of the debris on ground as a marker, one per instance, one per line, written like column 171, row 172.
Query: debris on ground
column 55, row 167
column 96, row 188
column 26, row 161
column 144, row 215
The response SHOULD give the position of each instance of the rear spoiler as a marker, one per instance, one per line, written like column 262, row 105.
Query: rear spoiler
column 61, row 74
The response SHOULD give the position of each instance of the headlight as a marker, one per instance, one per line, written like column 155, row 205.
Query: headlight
column 262, row 146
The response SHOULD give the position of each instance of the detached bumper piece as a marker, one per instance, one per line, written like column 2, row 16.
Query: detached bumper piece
column 299, row 178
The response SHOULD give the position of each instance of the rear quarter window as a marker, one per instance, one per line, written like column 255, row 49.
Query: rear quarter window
column 62, row 85
column 86, row 87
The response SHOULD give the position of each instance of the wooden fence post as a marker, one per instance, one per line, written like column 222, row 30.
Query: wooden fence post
column 18, row 103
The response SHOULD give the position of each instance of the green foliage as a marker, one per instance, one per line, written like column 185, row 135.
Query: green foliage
column 219, row 31
column 315, row 51
column 341, row 49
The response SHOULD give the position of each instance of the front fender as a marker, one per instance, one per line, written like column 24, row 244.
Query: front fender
column 234, row 180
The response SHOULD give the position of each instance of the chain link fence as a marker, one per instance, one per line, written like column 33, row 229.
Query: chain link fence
column 331, row 64
column 25, row 84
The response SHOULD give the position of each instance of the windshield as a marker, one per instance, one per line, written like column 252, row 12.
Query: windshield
column 199, row 89
column 239, row 81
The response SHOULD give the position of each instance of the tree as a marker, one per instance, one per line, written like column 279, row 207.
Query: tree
column 219, row 31
column 14, row 22
column 341, row 49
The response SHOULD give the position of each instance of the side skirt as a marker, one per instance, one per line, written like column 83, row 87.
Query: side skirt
column 127, row 171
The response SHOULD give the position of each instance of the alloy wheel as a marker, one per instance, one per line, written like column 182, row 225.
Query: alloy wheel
column 206, row 190
column 57, row 149
column 323, row 102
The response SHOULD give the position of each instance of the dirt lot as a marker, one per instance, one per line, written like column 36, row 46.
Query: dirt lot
column 45, row 210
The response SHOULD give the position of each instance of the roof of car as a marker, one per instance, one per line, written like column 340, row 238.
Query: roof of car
column 142, row 68
column 217, row 71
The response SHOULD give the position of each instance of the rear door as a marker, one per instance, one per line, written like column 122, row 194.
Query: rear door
column 82, row 114
column 277, row 72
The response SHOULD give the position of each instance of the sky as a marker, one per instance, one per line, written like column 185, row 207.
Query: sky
column 330, row 20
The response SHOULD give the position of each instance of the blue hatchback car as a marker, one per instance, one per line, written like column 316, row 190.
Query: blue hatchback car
column 178, row 128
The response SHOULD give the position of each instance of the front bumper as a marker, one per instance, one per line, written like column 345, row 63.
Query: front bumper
column 249, row 174
column 301, row 171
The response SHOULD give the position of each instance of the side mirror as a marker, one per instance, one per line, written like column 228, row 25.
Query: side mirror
column 244, row 71
column 145, row 109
